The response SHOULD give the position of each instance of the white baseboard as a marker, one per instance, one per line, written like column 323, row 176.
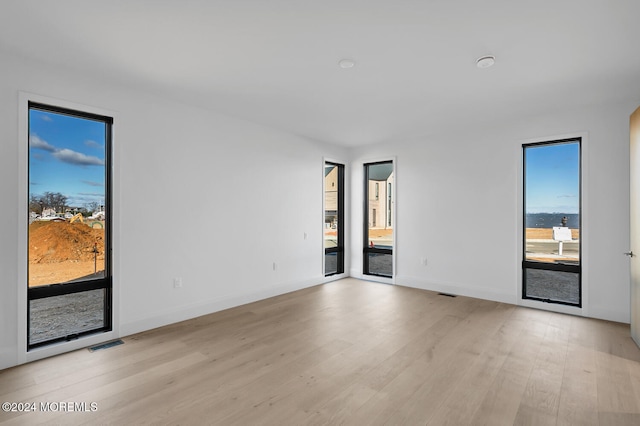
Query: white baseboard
column 335, row 277
column 608, row 315
column 8, row 359
column 491, row 294
column 372, row 278
column 194, row 310
column 62, row 347
column 459, row 290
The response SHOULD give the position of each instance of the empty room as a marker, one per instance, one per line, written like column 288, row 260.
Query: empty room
column 337, row 212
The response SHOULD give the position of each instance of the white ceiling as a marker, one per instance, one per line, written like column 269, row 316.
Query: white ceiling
column 275, row 62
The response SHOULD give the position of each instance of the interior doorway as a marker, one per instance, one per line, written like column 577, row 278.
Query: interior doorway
column 635, row 224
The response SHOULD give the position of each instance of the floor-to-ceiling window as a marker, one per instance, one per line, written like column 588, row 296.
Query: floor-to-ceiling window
column 69, row 231
column 333, row 218
column 552, row 222
column 378, row 214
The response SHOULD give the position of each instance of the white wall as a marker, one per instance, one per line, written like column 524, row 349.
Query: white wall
column 458, row 205
column 201, row 196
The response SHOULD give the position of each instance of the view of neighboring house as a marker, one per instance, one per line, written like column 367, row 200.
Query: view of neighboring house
column 99, row 215
column 381, row 197
column 48, row 213
column 330, row 196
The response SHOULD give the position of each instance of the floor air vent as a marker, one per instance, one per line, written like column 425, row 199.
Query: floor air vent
column 106, row 345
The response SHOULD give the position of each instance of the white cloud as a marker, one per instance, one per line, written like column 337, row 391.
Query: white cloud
column 66, row 155
column 72, row 157
column 93, row 144
column 36, row 142
column 91, row 183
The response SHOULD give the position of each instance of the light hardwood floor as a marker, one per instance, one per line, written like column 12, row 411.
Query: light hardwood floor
column 349, row 352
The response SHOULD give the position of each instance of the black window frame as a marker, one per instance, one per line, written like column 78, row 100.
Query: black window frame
column 559, row 266
column 105, row 283
column 367, row 249
column 339, row 249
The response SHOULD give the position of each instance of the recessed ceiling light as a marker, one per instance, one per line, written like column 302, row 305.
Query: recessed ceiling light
column 485, row 61
column 346, row 63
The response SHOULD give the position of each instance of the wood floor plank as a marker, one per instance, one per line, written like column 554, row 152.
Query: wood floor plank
column 464, row 401
column 579, row 391
column 541, row 398
column 450, row 367
column 503, row 397
column 615, row 388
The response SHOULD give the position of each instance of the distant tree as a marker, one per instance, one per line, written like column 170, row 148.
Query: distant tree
column 35, row 204
column 48, row 200
column 92, row 207
column 56, row 201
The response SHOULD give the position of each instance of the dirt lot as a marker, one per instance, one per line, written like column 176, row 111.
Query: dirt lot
column 547, row 234
column 380, row 233
column 531, row 234
column 63, row 251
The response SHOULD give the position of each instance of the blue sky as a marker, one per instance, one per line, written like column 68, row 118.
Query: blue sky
column 66, row 155
column 553, row 178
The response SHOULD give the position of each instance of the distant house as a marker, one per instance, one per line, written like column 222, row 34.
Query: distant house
column 330, row 196
column 48, row 213
column 381, row 198
column 98, row 216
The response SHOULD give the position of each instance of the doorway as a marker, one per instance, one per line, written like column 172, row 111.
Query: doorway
column 635, row 223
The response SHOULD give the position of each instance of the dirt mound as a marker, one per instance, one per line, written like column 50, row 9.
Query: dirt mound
column 54, row 242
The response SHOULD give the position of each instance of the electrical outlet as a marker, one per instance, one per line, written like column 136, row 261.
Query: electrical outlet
column 423, row 260
column 177, row 282
column 275, row 266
